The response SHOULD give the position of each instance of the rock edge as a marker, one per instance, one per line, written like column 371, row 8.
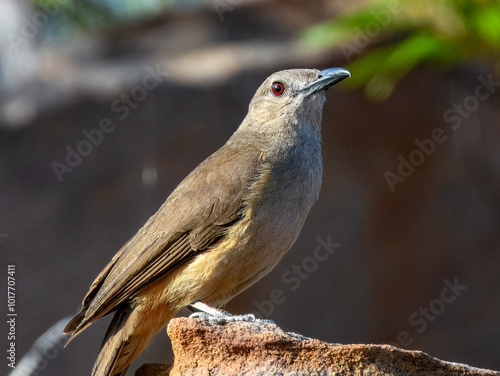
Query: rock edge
column 257, row 348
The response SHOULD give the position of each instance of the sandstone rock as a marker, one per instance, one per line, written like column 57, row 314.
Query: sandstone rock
column 246, row 348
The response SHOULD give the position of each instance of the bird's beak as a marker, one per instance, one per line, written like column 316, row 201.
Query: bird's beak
column 326, row 78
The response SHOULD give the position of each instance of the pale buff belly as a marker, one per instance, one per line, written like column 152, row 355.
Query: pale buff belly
column 247, row 253
column 251, row 248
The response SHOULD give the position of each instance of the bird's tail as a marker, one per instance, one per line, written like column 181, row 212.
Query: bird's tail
column 121, row 345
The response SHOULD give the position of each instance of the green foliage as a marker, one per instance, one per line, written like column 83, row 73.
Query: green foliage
column 78, row 15
column 84, row 15
column 388, row 38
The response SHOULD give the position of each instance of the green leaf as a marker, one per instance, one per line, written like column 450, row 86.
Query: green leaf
column 486, row 23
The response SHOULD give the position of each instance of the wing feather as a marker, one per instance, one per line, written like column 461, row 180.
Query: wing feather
column 195, row 216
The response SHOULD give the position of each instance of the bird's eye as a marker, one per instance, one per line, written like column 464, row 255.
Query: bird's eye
column 278, row 88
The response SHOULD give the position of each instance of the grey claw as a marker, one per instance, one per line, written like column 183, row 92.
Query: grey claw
column 221, row 317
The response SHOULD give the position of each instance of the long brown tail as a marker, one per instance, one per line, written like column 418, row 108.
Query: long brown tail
column 120, row 345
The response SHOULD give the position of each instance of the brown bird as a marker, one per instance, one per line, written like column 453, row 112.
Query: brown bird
column 225, row 226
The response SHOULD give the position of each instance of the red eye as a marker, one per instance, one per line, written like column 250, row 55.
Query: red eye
column 278, row 88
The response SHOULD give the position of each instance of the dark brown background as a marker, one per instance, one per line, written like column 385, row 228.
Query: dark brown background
column 396, row 248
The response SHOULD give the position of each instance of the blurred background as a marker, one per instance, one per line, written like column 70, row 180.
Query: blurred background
column 106, row 105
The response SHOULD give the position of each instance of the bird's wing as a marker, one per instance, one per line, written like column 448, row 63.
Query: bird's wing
column 194, row 216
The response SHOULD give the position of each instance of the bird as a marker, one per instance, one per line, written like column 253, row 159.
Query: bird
column 224, row 227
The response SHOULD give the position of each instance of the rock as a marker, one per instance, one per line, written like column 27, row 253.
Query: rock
column 256, row 348
column 152, row 369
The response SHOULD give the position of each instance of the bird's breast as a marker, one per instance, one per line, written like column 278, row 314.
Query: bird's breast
column 275, row 208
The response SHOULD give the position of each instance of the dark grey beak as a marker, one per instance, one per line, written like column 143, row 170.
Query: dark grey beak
column 326, row 78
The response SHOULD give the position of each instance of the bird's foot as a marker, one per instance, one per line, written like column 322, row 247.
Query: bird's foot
column 219, row 316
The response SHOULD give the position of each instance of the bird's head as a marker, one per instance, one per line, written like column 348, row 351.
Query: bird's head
column 291, row 99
